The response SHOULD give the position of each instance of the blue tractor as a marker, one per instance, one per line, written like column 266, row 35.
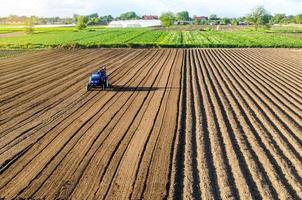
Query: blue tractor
column 98, row 79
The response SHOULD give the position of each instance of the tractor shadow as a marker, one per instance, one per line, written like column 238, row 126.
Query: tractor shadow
column 119, row 88
column 122, row 88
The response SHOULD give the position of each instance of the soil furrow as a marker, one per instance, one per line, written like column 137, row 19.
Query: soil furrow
column 174, row 124
column 270, row 159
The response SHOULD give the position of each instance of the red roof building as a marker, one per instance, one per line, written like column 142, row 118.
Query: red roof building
column 201, row 18
column 150, row 17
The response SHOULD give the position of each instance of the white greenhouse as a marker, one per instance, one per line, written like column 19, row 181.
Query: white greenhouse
column 134, row 23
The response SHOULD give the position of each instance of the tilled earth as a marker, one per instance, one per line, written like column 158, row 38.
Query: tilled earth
column 176, row 123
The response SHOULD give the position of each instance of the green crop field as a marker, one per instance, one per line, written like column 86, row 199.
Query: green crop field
column 147, row 37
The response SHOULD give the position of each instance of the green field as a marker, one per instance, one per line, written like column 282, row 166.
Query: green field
column 146, row 37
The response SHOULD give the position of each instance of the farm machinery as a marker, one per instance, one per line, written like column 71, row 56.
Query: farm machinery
column 98, row 79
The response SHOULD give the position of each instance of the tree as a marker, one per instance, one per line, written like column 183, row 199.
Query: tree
column 129, row 16
column 258, row 16
column 242, row 19
column 298, row 19
column 278, row 19
column 183, row 16
column 81, row 22
column 167, row 19
column 203, row 22
column 234, row 22
column 29, row 26
column 106, row 19
column 93, row 15
column 266, row 19
column 213, row 17
column 93, row 21
column 225, row 21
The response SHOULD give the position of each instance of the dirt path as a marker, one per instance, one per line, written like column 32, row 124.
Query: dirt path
column 14, row 34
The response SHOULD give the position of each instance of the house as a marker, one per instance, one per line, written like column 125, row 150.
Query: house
column 199, row 18
column 150, row 17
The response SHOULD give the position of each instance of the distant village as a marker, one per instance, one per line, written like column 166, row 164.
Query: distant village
column 95, row 19
column 131, row 19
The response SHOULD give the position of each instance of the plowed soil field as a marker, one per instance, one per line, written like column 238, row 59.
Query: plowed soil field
column 176, row 123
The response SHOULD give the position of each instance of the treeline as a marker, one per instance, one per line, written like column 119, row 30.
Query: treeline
column 258, row 16
column 14, row 19
column 92, row 19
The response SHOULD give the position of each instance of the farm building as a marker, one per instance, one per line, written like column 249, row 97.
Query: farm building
column 150, row 17
column 134, row 23
column 200, row 18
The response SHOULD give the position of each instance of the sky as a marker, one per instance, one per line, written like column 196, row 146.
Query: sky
column 66, row 8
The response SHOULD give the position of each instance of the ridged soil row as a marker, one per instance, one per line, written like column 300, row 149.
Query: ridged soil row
column 91, row 99
column 153, row 176
column 73, row 125
column 270, row 54
column 109, row 149
column 284, row 82
column 29, row 133
column 65, row 173
column 284, row 57
column 284, row 69
column 14, row 64
column 64, row 72
column 36, row 82
column 294, row 56
column 198, row 163
column 250, row 165
column 191, row 176
column 46, row 101
column 284, row 133
column 245, row 187
column 119, row 147
column 290, row 152
column 265, row 150
column 233, row 172
column 291, row 119
column 291, row 122
column 243, row 129
column 22, row 108
column 75, row 88
column 192, row 134
column 42, row 69
column 35, row 62
column 271, row 86
column 222, row 180
column 247, row 160
column 229, row 183
column 33, row 90
column 205, row 169
column 123, row 165
column 242, row 125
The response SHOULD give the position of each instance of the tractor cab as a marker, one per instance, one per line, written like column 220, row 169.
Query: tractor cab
column 98, row 79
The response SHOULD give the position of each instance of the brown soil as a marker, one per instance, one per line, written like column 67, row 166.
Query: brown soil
column 177, row 123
